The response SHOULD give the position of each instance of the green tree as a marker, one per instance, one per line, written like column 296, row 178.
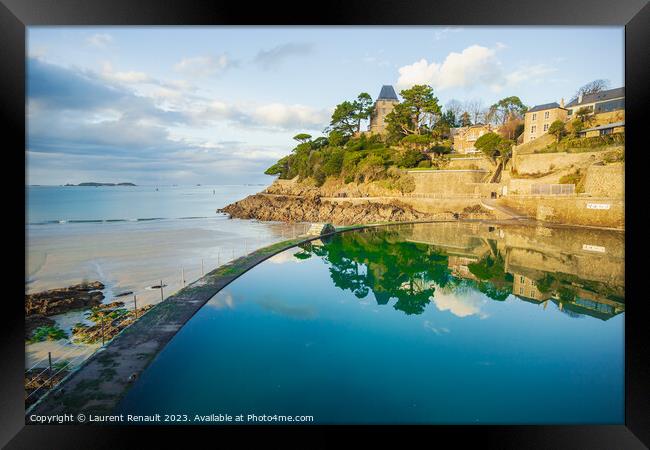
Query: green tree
column 279, row 168
column 347, row 116
column 557, row 129
column 465, row 119
column 410, row 158
column 418, row 107
column 489, row 144
column 363, row 105
column 583, row 114
column 508, row 108
column 576, row 127
column 344, row 118
column 302, row 137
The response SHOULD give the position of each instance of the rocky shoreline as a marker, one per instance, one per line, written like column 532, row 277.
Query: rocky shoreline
column 313, row 209
column 296, row 202
column 62, row 300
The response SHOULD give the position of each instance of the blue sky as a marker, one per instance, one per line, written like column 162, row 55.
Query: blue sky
column 217, row 105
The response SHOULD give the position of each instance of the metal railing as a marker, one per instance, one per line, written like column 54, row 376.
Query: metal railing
column 552, row 189
column 55, row 364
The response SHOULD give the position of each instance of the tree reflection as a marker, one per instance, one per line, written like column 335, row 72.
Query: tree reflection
column 387, row 265
column 392, row 267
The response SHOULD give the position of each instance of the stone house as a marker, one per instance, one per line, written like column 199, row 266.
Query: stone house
column 464, row 138
column 538, row 119
column 526, row 287
column 383, row 106
column 604, row 102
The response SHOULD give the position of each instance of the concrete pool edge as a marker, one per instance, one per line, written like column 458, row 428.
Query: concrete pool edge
column 102, row 380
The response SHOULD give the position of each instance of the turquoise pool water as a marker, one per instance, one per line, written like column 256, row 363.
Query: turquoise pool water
column 429, row 323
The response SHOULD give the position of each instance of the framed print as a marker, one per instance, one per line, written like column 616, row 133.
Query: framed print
column 383, row 217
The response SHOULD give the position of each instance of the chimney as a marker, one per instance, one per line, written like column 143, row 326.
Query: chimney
column 561, row 103
column 580, row 98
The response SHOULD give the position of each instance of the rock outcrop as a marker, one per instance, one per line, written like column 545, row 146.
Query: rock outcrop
column 59, row 301
column 313, row 209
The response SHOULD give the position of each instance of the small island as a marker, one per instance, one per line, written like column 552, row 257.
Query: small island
column 93, row 183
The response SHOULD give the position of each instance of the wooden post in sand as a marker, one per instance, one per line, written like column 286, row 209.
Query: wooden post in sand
column 135, row 305
column 49, row 357
column 183, row 275
column 102, row 331
column 161, row 291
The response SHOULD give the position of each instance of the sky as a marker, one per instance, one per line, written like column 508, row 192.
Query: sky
column 218, row 105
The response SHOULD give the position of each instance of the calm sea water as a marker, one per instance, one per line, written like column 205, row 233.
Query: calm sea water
column 131, row 238
column 54, row 204
column 436, row 323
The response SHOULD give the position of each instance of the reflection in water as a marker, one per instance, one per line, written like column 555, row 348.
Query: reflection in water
column 415, row 266
column 430, row 323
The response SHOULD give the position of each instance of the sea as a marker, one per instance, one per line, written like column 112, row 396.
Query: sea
column 132, row 238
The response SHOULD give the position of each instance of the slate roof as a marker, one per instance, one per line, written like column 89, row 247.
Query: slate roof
column 543, row 107
column 387, row 93
column 600, row 96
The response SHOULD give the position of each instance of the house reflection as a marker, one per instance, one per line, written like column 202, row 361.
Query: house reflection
column 409, row 263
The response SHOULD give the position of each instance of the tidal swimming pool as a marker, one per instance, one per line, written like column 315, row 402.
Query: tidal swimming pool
column 446, row 323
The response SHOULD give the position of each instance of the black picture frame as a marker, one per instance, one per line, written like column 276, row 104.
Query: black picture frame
column 16, row 15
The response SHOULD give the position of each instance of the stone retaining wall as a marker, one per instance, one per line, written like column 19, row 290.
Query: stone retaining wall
column 546, row 162
column 606, row 181
column 447, row 181
column 575, row 210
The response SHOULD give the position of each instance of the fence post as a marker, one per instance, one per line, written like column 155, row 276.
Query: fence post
column 49, row 357
column 102, row 331
column 161, row 291
column 135, row 305
column 183, row 275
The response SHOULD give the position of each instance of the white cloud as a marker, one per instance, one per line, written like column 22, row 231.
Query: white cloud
column 460, row 304
column 442, row 34
column 204, row 65
column 100, row 40
column 290, row 116
column 474, row 65
column 124, row 77
column 274, row 57
column 535, row 72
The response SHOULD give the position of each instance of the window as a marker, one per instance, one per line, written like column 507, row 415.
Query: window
column 534, row 116
column 547, row 114
column 606, row 131
column 545, row 127
column 611, row 105
column 533, row 129
column 532, row 294
column 522, row 280
column 521, row 290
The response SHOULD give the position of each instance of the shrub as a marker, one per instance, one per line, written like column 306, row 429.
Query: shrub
column 50, row 333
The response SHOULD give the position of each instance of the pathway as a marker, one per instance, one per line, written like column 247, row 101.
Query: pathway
column 493, row 205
